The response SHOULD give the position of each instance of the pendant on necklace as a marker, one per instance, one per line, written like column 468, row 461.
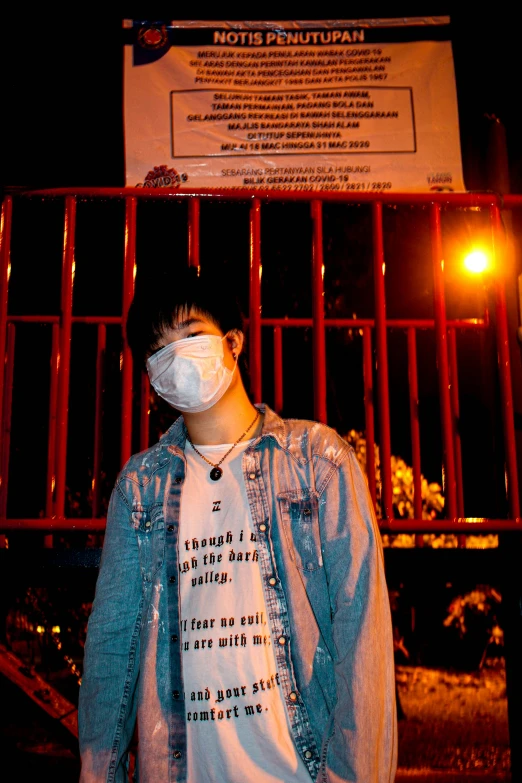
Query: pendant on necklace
column 216, row 473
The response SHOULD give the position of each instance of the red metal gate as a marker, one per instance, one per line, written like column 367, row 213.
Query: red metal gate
column 441, row 216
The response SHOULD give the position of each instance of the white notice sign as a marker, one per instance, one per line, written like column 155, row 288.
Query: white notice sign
column 348, row 106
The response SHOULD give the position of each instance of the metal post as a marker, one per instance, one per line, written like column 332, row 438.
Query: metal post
column 319, row 337
column 509, row 543
column 379, row 269
column 254, row 328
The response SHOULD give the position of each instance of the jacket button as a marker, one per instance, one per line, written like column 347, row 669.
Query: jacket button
column 251, row 475
column 262, row 527
column 292, row 696
column 175, row 694
column 177, row 754
column 272, row 581
column 308, row 754
column 174, row 637
column 178, row 480
column 172, row 578
column 147, row 523
column 307, row 512
column 170, row 528
column 282, row 640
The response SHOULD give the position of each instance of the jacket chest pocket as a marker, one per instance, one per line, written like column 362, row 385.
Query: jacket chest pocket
column 149, row 526
column 300, row 515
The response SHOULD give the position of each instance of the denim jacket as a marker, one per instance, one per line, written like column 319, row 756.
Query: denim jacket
column 322, row 566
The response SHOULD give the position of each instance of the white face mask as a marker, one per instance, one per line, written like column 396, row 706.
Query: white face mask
column 190, row 374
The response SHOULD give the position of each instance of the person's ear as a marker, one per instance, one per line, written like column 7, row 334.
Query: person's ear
column 235, row 341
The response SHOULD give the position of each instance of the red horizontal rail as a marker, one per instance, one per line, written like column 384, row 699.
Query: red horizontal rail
column 466, row 525
column 502, row 201
column 244, row 194
column 392, row 323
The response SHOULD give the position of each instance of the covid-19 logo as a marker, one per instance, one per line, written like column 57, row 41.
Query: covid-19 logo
column 163, row 177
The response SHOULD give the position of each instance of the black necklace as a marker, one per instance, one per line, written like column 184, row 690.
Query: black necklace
column 216, row 472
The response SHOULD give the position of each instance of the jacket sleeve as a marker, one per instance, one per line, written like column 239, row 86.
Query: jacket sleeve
column 361, row 742
column 106, row 707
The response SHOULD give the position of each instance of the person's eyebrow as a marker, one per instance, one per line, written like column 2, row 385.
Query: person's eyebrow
column 187, row 322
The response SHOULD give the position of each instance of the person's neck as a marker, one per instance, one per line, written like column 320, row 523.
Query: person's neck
column 224, row 422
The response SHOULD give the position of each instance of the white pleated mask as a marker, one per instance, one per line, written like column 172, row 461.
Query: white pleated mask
column 190, row 374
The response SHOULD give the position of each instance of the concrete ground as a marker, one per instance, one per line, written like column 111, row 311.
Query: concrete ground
column 454, row 730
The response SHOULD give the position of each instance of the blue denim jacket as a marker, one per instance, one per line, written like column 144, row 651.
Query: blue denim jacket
column 322, row 566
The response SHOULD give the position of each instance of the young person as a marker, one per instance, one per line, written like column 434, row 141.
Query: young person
column 241, row 620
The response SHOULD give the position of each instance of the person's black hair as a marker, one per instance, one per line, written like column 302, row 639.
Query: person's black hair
column 159, row 303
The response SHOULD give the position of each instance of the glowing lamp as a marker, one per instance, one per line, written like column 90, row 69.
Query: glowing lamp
column 476, row 262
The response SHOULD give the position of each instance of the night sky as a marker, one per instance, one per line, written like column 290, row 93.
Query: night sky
column 62, row 88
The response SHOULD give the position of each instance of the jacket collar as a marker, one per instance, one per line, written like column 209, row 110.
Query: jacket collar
column 273, row 426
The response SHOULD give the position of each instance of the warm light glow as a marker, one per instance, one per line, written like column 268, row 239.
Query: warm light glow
column 476, row 262
column 40, row 629
column 56, row 629
column 322, row 271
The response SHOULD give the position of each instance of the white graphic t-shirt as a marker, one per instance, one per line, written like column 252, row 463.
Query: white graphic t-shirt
column 237, row 726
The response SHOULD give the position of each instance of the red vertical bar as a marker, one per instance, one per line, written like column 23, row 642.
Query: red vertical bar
column 101, row 343
column 64, row 361
column 53, row 406
column 54, row 371
column 5, row 270
column 379, row 270
column 413, row 387
column 129, row 269
column 278, row 369
column 504, row 364
column 439, row 305
column 319, row 338
column 144, row 412
column 369, row 412
column 254, row 329
column 193, row 232
column 6, row 418
column 455, row 405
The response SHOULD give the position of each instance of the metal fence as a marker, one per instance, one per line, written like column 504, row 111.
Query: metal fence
column 358, row 315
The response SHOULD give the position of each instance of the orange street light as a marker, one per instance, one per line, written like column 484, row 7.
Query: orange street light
column 476, row 262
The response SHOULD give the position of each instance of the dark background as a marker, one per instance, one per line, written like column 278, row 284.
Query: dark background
column 62, row 84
